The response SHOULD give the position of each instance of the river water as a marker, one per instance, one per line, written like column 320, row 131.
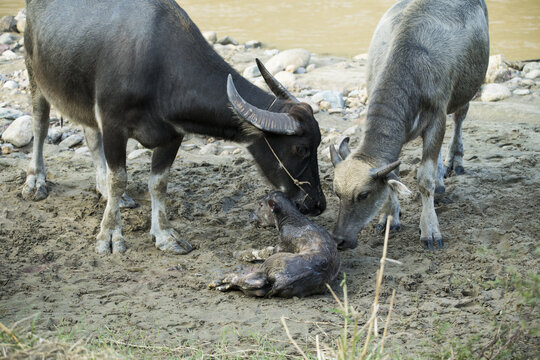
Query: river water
column 340, row 27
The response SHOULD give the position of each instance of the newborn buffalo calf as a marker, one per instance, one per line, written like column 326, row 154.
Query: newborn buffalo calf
column 301, row 265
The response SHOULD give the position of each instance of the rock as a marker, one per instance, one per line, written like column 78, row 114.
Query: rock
column 527, row 83
column 237, row 151
column 300, row 70
column 324, row 105
column 494, row 92
column 210, row 36
column 7, row 39
column 54, row 135
column 286, row 79
column 496, row 63
column 19, row 133
column 9, row 55
column 271, row 52
column 499, row 76
column 531, row 66
column 251, row 72
column 71, row 141
column 335, row 110
column 351, row 131
column 227, row 40
column 10, row 114
column 224, row 153
column 6, row 149
column 292, row 59
column 335, row 98
column 8, row 24
column 83, row 151
column 252, row 44
column 208, row 149
column 10, row 84
column 521, row 92
column 311, row 67
column 533, row 74
column 361, row 57
column 137, row 153
column 290, row 68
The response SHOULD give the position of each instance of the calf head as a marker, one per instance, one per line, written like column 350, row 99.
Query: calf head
column 362, row 189
column 271, row 208
column 285, row 144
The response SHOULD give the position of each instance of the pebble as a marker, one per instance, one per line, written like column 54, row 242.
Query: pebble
column 533, row 74
column 351, row 131
column 531, row 66
column 54, row 135
column 10, row 114
column 289, row 59
column 494, row 92
column 21, row 20
column 210, row 36
column 496, row 70
column 271, row 52
column 137, row 153
column 521, row 92
column 208, row 149
column 9, row 55
column 19, row 133
column 311, row 67
column 335, row 98
column 237, row 151
column 252, row 44
column 8, row 23
column 300, row 70
column 225, row 153
column 7, row 39
column 83, row 150
column 7, row 149
column 324, row 105
column 335, row 110
column 251, row 71
column 71, row 141
column 361, row 57
column 527, row 83
column 227, row 40
column 11, row 85
column 286, row 79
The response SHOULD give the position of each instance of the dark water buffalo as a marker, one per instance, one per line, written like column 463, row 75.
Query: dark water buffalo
column 427, row 59
column 141, row 69
column 305, row 261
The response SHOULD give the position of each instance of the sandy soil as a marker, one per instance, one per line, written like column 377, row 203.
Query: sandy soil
column 489, row 219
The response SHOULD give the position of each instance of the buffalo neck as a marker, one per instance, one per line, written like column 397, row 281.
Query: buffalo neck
column 390, row 115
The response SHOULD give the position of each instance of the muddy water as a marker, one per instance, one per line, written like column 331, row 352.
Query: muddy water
column 341, row 27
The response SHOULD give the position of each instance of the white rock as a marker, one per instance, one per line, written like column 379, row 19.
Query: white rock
column 252, row 44
column 361, row 57
column 271, row 52
column 335, row 110
column 6, row 149
column 7, row 39
column 351, row 131
column 300, row 70
column 12, row 85
column 533, row 74
column 53, row 135
column 224, row 153
column 71, row 141
column 311, row 67
column 208, row 149
column 290, row 68
column 286, row 79
column 335, row 98
column 21, row 20
column 496, row 63
column 531, row 66
column 293, row 58
column 83, row 151
column 237, row 151
column 9, row 55
column 10, row 114
column 210, row 36
column 527, row 83
column 521, row 92
column 494, row 92
column 137, row 153
column 227, row 40
column 19, row 133
column 251, row 72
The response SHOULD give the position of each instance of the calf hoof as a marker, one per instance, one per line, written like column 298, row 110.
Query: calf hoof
column 35, row 192
column 393, row 228
column 440, row 189
column 107, row 244
column 126, row 202
column 170, row 241
column 428, row 243
column 459, row 170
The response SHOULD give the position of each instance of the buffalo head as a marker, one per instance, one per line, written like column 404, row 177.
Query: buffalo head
column 284, row 143
column 362, row 189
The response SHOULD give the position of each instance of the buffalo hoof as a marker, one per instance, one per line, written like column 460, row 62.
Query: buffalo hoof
column 34, row 190
column 110, row 242
column 429, row 243
column 440, row 189
column 393, row 228
column 170, row 241
column 126, row 202
column 458, row 169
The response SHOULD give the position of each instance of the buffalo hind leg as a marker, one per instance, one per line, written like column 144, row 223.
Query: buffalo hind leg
column 94, row 141
column 427, row 178
column 35, row 187
column 167, row 239
column 454, row 157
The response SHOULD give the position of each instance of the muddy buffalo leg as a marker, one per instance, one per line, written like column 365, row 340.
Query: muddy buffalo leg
column 454, row 157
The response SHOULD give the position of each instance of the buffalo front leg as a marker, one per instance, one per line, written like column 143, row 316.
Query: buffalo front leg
column 427, row 179
column 167, row 239
column 94, row 141
column 35, row 187
column 454, row 157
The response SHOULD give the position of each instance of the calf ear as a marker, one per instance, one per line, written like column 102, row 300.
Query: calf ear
column 334, row 156
column 399, row 187
column 271, row 204
column 343, row 149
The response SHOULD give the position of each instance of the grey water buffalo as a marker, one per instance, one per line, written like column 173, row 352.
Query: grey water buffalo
column 141, row 69
column 427, row 59
column 305, row 261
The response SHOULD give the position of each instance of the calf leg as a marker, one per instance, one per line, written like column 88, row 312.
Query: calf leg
column 167, row 239
column 252, row 282
column 35, row 187
column 390, row 208
column 256, row 254
column 95, row 144
column 427, row 177
column 454, row 157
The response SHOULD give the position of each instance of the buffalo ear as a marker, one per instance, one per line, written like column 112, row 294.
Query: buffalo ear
column 334, row 156
column 343, row 149
column 399, row 187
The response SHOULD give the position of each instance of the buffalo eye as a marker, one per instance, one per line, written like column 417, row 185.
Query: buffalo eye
column 301, row 151
column 362, row 196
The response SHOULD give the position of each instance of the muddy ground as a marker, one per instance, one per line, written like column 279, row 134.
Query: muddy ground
column 457, row 297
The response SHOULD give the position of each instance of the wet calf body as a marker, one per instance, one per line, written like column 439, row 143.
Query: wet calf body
column 304, row 262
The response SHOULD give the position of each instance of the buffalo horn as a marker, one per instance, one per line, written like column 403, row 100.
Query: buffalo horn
column 279, row 90
column 384, row 170
column 267, row 121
